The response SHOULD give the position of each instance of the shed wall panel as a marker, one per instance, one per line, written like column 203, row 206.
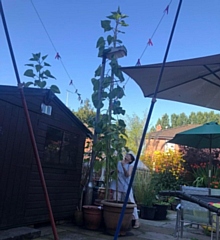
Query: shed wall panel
column 23, row 201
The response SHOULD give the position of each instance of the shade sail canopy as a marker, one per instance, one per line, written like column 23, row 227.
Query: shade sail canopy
column 205, row 136
column 193, row 81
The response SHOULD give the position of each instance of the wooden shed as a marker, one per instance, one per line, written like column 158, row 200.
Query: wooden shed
column 60, row 138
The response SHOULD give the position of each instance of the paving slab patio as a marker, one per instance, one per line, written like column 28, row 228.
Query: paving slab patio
column 150, row 230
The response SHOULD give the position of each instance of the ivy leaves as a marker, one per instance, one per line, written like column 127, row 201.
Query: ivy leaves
column 39, row 73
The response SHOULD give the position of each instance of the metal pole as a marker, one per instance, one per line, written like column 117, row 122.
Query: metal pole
column 210, row 161
column 67, row 98
column 146, row 124
column 30, row 128
column 89, row 191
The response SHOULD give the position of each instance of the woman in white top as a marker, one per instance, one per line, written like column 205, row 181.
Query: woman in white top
column 125, row 168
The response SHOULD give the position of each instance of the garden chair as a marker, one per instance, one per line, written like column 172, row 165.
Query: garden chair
column 214, row 218
column 191, row 213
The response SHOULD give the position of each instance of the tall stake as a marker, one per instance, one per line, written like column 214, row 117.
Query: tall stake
column 30, row 128
column 146, row 124
column 89, row 192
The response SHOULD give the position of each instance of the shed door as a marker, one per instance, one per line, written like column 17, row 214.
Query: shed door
column 16, row 155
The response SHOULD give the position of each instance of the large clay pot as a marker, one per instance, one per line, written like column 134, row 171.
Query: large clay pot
column 92, row 216
column 111, row 214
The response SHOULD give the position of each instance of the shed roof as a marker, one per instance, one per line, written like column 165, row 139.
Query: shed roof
column 47, row 94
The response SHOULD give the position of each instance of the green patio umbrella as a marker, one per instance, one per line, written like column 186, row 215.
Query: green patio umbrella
column 205, row 136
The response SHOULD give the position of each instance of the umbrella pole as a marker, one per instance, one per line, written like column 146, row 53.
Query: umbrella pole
column 210, row 163
column 146, row 124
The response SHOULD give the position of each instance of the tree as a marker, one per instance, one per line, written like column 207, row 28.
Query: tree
column 192, row 118
column 86, row 113
column 165, row 121
column 159, row 122
column 182, row 119
column 174, row 118
column 134, row 129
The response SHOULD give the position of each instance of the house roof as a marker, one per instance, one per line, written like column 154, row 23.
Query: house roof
column 46, row 93
column 167, row 134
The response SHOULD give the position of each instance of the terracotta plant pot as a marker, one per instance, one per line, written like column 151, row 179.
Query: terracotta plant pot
column 92, row 216
column 111, row 214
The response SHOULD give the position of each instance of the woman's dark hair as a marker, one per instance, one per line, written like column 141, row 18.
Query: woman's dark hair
column 132, row 158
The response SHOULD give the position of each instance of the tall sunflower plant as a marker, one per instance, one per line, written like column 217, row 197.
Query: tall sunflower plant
column 110, row 126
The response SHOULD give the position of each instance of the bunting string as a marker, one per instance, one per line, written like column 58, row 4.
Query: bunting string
column 138, row 63
column 57, row 56
column 150, row 42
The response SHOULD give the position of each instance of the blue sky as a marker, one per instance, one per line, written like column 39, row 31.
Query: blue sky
column 74, row 27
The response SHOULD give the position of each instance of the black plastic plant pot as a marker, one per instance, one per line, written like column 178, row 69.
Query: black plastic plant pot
column 147, row 212
column 161, row 211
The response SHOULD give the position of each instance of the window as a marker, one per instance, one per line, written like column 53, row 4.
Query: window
column 169, row 146
column 61, row 146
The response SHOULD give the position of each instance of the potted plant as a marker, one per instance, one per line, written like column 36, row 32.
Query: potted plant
column 145, row 194
column 161, row 209
column 109, row 127
column 92, row 216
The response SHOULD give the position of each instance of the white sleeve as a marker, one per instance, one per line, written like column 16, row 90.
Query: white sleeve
column 132, row 164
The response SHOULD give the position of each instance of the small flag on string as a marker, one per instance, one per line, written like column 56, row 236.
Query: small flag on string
column 150, row 42
column 57, row 56
column 138, row 63
column 166, row 9
column 71, row 82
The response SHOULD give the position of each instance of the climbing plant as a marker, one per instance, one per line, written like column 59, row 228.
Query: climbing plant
column 38, row 72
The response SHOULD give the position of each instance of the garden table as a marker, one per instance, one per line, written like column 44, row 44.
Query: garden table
column 212, row 203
